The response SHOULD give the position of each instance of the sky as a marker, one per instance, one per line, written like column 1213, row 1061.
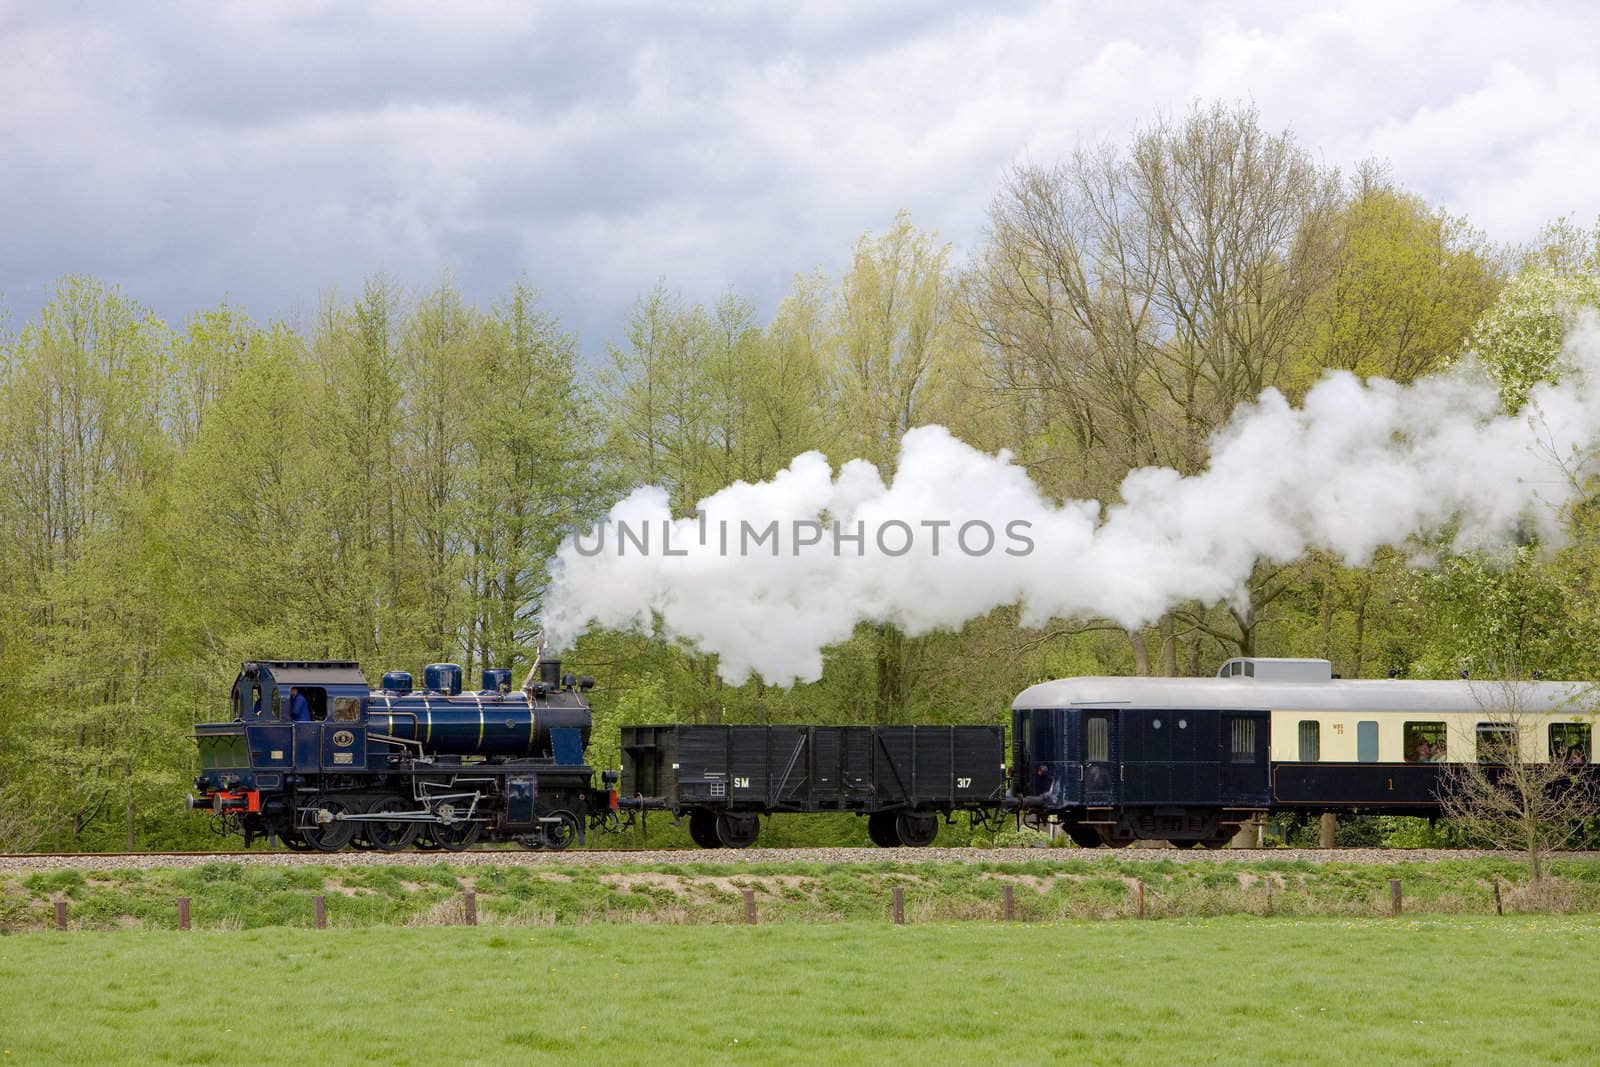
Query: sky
column 265, row 154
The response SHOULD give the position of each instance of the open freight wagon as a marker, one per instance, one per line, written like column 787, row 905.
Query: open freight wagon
column 901, row 777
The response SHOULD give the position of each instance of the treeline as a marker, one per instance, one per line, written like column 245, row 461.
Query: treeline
column 388, row 482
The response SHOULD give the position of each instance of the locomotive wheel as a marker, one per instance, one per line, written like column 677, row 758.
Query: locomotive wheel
column 390, row 836
column 1084, row 836
column 737, row 831
column 916, row 831
column 1114, row 842
column 703, row 829
column 559, row 836
column 1220, row 840
column 293, row 841
column 456, row 836
column 328, row 836
column 880, row 829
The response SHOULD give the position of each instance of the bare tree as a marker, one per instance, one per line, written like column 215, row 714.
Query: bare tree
column 1511, row 791
column 1128, row 300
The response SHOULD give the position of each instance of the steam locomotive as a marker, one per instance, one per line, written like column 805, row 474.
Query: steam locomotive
column 1107, row 761
column 398, row 767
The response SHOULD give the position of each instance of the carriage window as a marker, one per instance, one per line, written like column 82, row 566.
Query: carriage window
column 1424, row 742
column 1497, row 742
column 1367, row 741
column 1569, row 743
column 1310, row 741
column 1243, row 735
column 346, row 709
column 1097, row 739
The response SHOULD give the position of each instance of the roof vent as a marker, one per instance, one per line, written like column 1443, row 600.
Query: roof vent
column 1277, row 670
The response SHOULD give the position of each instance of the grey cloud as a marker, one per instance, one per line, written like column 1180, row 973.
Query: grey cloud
column 267, row 152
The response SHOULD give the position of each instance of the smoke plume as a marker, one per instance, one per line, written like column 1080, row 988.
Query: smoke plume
column 1357, row 466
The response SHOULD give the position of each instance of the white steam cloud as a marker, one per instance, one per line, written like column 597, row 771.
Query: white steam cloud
column 1358, row 466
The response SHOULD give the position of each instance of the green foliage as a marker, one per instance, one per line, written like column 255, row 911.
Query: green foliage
column 1518, row 340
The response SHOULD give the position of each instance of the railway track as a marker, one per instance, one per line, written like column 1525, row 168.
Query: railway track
column 14, row 863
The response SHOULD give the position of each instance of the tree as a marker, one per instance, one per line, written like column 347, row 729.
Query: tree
column 1519, row 339
column 1405, row 286
column 533, row 471
column 1132, row 299
column 1515, row 794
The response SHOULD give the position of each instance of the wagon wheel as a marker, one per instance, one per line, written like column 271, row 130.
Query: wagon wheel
column 560, row 835
column 1109, row 841
column 456, row 836
column 1221, row 839
column 703, row 829
column 737, row 831
column 391, row 836
column 1084, row 836
column 330, row 836
column 880, row 829
column 916, row 831
column 1182, row 842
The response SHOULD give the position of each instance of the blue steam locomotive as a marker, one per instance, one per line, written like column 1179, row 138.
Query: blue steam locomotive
column 316, row 759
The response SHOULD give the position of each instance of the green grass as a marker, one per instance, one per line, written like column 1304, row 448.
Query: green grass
column 1424, row 990
column 1057, row 886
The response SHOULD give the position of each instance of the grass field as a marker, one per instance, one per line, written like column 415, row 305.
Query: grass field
column 1425, row 990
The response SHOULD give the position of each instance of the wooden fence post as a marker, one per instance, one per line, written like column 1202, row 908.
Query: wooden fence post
column 319, row 912
column 1499, row 909
column 1138, row 893
column 469, row 907
column 183, row 913
column 899, row 905
column 61, row 915
column 750, row 906
column 1394, row 896
column 1011, row 901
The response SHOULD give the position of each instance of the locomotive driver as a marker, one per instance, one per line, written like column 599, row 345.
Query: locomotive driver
column 299, row 707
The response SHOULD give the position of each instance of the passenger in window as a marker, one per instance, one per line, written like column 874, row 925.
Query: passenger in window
column 299, row 707
column 1426, row 753
column 1576, row 756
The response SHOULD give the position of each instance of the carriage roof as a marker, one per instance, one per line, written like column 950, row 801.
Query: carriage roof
column 1335, row 694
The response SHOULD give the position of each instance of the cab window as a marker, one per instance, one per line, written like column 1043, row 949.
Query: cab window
column 346, row 709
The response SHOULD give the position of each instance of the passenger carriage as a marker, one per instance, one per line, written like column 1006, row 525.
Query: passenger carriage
column 1115, row 760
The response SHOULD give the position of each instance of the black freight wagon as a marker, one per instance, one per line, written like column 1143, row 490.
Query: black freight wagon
column 900, row 777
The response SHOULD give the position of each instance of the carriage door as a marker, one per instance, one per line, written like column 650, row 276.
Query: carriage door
column 1244, row 759
column 1099, row 771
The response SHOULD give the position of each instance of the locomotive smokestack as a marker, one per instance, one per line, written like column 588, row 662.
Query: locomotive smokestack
column 550, row 673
